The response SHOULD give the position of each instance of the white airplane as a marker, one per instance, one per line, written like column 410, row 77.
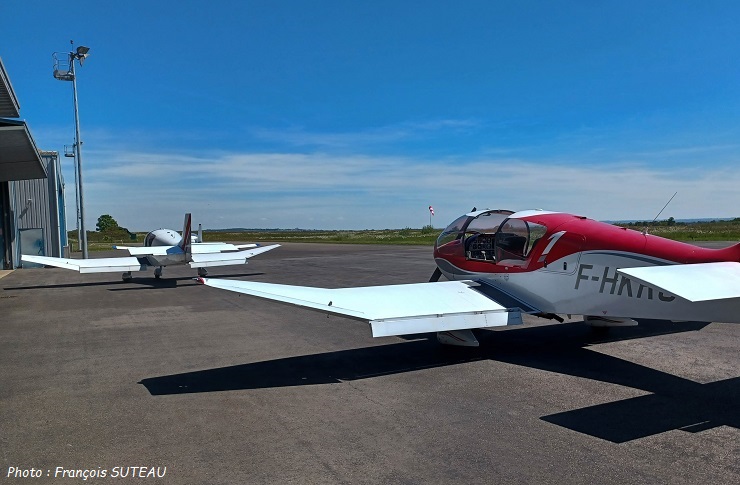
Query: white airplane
column 502, row 263
column 162, row 247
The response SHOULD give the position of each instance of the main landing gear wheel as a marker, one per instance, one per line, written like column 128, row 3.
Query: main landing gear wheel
column 458, row 338
column 126, row 277
column 202, row 272
column 158, row 272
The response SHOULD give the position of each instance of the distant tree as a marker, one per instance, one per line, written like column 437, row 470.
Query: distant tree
column 106, row 223
column 671, row 221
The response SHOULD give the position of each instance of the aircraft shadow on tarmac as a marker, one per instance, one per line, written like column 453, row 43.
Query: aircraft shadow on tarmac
column 165, row 282
column 136, row 283
column 673, row 402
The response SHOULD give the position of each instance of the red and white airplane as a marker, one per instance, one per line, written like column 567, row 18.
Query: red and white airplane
column 163, row 247
column 502, row 263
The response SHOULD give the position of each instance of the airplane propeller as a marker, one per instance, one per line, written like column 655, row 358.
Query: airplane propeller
column 437, row 273
column 435, row 276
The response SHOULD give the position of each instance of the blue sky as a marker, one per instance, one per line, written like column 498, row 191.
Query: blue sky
column 350, row 114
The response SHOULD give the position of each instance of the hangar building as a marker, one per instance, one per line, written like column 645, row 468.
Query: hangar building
column 32, row 218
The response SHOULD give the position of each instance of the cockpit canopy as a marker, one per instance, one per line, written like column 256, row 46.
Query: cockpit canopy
column 490, row 235
column 481, row 222
column 162, row 237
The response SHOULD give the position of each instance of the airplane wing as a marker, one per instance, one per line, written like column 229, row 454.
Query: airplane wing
column 247, row 246
column 217, row 247
column 100, row 265
column 693, row 282
column 204, row 260
column 391, row 310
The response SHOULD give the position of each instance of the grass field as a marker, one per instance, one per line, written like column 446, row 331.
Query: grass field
column 696, row 231
column 693, row 231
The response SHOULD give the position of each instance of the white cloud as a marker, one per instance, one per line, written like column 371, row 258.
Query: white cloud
column 318, row 190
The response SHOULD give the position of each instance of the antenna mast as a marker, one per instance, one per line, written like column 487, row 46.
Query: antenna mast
column 645, row 231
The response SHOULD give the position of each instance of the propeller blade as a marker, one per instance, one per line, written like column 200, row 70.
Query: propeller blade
column 435, row 276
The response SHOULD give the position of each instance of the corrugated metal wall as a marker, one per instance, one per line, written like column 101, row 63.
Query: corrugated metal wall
column 35, row 204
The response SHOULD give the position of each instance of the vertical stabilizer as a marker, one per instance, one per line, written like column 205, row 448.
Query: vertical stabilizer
column 186, row 235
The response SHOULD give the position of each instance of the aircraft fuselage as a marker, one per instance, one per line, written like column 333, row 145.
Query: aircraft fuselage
column 561, row 263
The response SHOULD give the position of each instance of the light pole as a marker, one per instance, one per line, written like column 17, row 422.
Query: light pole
column 80, row 55
column 71, row 154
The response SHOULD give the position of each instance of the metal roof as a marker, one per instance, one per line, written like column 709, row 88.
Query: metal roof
column 9, row 107
column 19, row 157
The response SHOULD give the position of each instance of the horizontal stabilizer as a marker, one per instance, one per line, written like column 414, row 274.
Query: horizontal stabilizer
column 692, row 282
column 391, row 310
column 151, row 250
column 98, row 265
column 197, row 248
column 205, row 260
column 217, row 247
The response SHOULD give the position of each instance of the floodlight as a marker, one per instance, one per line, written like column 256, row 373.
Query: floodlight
column 69, row 75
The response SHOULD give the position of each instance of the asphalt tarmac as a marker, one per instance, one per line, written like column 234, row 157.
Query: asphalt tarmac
column 98, row 375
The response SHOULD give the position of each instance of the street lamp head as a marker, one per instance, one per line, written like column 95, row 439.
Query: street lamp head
column 82, row 53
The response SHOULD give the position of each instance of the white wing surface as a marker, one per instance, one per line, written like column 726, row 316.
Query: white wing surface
column 100, row 265
column 217, row 247
column 150, row 250
column 205, row 260
column 196, row 248
column 693, row 282
column 390, row 310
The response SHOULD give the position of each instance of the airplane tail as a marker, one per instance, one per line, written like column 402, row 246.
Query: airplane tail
column 736, row 248
column 730, row 253
column 186, row 236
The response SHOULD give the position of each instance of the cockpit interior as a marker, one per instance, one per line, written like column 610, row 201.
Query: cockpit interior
column 491, row 236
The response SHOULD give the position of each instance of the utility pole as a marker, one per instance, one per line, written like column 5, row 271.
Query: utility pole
column 80, row 55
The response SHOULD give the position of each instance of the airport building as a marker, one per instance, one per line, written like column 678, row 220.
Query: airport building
column 32, row 217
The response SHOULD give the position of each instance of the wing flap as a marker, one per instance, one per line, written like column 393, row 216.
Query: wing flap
column 442, row 323
column 391, row 310
column 205, row 260
column 99, row 265
column 692, row 282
